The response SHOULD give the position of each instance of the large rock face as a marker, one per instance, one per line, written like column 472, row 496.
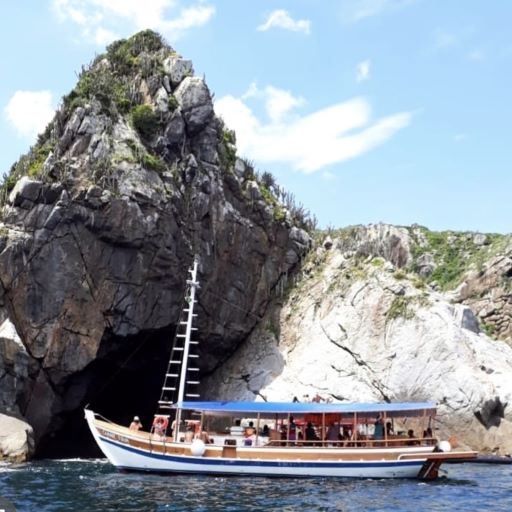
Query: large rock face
column 95, row 244
column 359, row 330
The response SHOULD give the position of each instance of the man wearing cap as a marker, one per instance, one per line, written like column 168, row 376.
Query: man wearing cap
column 135, row 424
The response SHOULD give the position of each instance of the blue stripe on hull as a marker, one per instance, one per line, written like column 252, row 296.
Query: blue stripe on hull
column 245, row 474
column 262, row 463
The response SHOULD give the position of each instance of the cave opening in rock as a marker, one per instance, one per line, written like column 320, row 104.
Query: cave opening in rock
column 124, row 380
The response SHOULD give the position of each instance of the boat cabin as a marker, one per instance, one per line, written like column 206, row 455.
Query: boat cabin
column 308, row 424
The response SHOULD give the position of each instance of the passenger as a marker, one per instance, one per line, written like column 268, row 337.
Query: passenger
column 135, row 424
column 333, row 434
column 411, row 441
column 237, row 429
column 266, row 431
column 173, row 426
column 249, row 435
column 283, row 433
column 311, row 433
column 189, row 433
column 378, row 433
column 349, row 435
column 427, row 436
column 292, row 430
column 389, row 429
column 249, row 431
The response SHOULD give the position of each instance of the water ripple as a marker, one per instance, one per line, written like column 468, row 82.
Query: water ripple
column 94, row 485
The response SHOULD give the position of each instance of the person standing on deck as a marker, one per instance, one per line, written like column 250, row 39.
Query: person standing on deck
column 378, row 433
column 333, row 434
column 135, row 424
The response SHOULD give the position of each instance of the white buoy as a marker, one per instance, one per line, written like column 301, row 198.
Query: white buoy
column 444, row 446
column 197, row 448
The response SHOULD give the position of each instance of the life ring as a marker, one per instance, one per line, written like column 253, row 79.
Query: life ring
column 161, row 423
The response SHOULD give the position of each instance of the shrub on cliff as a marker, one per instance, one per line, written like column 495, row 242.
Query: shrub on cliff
column 99, row 83
column 144, row 120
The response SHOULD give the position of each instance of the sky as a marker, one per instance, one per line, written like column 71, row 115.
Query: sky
column 368, row 111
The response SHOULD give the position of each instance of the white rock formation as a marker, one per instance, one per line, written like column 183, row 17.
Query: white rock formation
column 352, row 331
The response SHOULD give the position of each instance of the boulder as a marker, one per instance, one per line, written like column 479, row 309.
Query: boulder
column 162, row 101
column 26, row 192
column 177, row 69
column 425, row 265
column 480, row 239
column 196, row 104
column 16, row 439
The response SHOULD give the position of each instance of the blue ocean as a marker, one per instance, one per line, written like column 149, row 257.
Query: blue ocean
column 94, row 485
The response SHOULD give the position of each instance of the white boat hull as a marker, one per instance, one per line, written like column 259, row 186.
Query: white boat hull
column 128, row 457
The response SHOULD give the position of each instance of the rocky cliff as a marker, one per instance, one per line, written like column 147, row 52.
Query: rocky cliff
column 101, row 219
column 384, row 313
column 132, row 179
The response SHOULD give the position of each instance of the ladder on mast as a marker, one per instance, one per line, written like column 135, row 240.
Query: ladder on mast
column 181, row 380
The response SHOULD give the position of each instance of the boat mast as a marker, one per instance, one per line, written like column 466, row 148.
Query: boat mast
column 193, row 284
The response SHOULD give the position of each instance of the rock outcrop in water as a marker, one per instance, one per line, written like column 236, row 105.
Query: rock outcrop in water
column 102, row 218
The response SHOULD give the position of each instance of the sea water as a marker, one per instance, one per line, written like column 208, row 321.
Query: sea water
column 95, row 485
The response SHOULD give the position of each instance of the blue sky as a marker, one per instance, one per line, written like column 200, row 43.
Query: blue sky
column 366, row 110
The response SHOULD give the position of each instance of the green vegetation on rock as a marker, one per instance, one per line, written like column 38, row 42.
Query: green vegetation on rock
column 124, row 52
column 108, row 79
column 144, row 120
column 402, row 306
column 152, row 162
column 454, row 254
column 100, row 83
column 30, row 164
column 173, row 103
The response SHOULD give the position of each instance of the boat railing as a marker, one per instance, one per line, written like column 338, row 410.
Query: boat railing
column 356, row 443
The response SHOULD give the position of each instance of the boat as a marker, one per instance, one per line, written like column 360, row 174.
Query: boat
column 278, row 439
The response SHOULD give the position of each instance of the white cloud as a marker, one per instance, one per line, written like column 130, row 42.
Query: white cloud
column 281, row 19
column 251, row 91
column 30, row 111
column 102, row 36
column 363, row 70
column 356, row 10
column 310, row 142
column 278, row 102
column 98, row 19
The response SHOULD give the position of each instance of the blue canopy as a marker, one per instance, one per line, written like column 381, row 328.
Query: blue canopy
column 270, row 409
